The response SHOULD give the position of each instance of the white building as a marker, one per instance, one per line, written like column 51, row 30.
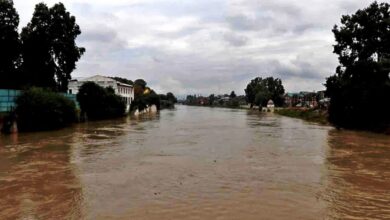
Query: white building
column 270, row 104
column 121, row 89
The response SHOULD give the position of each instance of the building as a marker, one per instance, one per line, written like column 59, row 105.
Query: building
column 270, row 104
column 124, row 90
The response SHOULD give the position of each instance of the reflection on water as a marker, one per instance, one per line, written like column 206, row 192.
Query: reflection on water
column 195, row 163
column 38, row 182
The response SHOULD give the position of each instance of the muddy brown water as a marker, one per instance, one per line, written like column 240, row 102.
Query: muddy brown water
column 196, row 163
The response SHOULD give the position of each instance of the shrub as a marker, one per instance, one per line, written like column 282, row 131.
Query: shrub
column 100, row 103
column 40, row 109
column 314, row 115
column 143, row 101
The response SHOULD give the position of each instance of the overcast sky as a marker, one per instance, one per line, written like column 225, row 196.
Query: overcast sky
column 206, row 46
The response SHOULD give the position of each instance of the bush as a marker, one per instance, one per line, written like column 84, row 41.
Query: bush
column 40, row 109
column 100, row 103
column 143, row 101
column 314, row 115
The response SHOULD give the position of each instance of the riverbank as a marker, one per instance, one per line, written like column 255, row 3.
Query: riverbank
column 318, row 116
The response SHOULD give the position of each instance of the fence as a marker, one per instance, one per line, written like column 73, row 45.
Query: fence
column 8, row 97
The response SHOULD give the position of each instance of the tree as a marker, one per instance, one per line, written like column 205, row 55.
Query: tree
column 260, row 90
column 100, row 103
column 141, row 83
column 360, row 89
column 261, row 98
column 233, row 95
column 139, row 87
column 10, row 45
column 123, row 80
column 49, row 50
column 171, row 97
column 38, row 65
column 211, row 99
column 64, row 31
column 40, row 109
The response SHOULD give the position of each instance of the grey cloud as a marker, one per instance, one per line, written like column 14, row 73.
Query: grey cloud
column 235, row 39
column 99, row 34
column 242, row 22
column 222, row 50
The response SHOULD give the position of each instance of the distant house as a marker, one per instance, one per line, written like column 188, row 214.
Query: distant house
column 124, row 90
column 270, row 104
column 292, row 99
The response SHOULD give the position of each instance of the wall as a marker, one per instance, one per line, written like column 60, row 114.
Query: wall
column 8, row 98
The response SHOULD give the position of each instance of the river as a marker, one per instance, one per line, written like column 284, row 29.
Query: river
column 196, row 163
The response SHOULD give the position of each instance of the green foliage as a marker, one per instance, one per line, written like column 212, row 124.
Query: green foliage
column 233, row 95
column 211, row 99
column 40, row 109
column 305, row 114
column 49, row 49
column 123, row 80
column 140, row 82
column 233, row 103
column 224, row 101
column 168, row 100
column 139, row 88
column 260, row 90
column 10, row 45
column 171, row 97
column 262, row 97
column 360, row 89
column 100, row 103
column 145, row 100
column 145, row 96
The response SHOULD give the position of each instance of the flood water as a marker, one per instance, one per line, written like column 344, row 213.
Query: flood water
column 196, row 163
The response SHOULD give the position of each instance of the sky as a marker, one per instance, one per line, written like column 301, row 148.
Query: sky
column 206, row 46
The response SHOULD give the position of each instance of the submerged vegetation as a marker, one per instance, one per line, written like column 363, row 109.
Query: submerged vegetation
column 259, row 91
column 42, row 109
column 312, row 115
column 97, row 102
column 360, row 90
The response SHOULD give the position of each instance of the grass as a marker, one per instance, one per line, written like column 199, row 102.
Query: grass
column 312, row 115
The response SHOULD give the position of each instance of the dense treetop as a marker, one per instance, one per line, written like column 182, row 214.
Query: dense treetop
column 260, row 90
column 45, row 53
column 49, row 49
column 360, row 89
column 9, row 43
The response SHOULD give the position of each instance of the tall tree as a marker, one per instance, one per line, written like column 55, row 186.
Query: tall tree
column 38, row 64
column 49, row 49
column 360, row 89
column 10, row 45
column 233, row 95
column 65, row 52
column 260, row 90
column 171, row 97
